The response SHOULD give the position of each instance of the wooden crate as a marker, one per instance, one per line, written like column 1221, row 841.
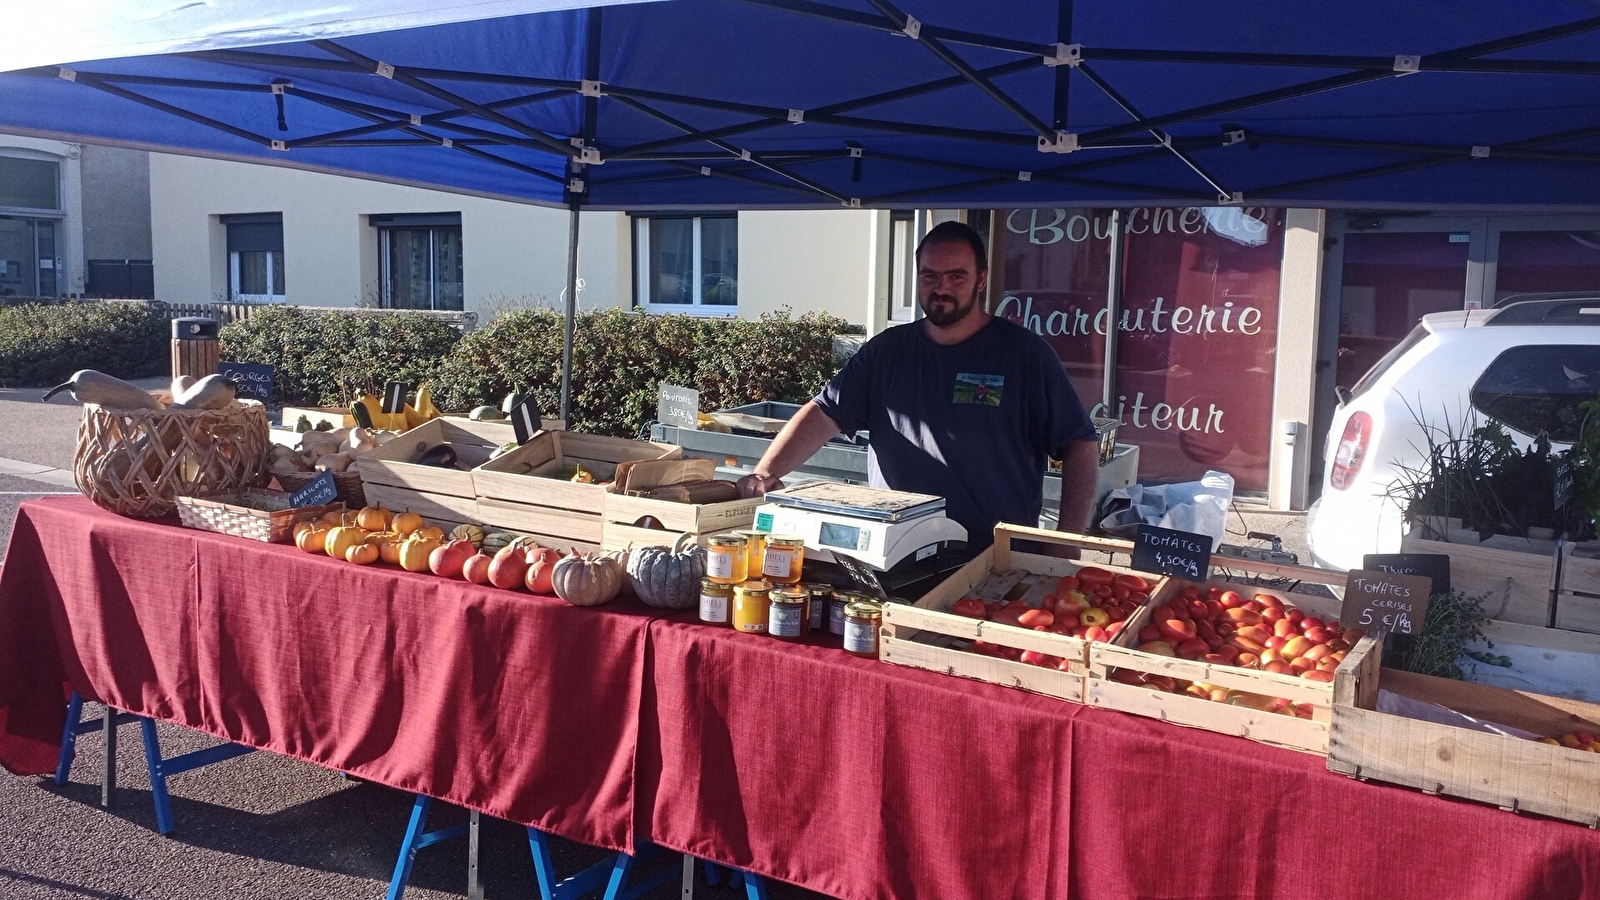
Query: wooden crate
column 702, row 520
column 439, row 509
column 1510, row 772
column 1521, row 586
column 473, row 442
column 927, row 636
column 1264, row 726
column 1578, row 597
column 519, row 491
column 339, row 417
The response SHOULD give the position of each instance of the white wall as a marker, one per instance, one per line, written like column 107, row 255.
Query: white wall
column 824, row 260
column 514, row 255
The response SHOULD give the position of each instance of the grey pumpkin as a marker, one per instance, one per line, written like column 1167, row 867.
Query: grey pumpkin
column 668, row 577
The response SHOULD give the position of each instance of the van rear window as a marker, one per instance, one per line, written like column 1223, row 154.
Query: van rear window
column 1539, row 388
column 1382, row 365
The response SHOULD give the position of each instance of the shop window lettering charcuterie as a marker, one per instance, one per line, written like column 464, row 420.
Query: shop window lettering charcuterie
column 1196, row 328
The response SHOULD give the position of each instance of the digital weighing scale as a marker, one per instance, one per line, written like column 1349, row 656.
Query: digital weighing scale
column 887, row 540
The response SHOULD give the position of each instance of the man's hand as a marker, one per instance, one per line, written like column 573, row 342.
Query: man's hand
column 756, row 484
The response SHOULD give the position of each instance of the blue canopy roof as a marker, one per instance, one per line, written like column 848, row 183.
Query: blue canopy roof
column 930, row 103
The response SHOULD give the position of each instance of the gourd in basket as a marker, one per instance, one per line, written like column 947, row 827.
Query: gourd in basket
column 135, row 456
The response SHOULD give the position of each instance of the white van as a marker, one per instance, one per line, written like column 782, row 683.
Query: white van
column 1528, row 362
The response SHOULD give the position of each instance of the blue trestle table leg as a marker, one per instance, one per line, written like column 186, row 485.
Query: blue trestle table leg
column 161, row 769
column 415, row 840
column 755, row 887
column 69, row 744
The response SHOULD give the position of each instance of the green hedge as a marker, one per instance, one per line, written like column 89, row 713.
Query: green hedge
column 619, row 359
column 328, row 358
column 44, row 343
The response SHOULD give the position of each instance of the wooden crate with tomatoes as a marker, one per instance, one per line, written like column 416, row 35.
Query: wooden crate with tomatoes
column 1251, row 661
column 1017, row 617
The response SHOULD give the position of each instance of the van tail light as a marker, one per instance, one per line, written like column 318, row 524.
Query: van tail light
column 1352, row 451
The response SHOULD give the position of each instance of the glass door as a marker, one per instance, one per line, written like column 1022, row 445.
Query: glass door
column 1381, row 275
column 44, row 237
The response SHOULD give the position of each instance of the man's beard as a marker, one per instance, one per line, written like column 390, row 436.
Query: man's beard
column 944, row 310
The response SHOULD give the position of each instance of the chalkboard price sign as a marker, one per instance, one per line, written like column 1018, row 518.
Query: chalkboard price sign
column 1434, row 566
column 321, row 490
column 1385, row 601
column 251, row 381
column 526, row 419
column 394, row 396
column 1165, row 551
column 678, row 406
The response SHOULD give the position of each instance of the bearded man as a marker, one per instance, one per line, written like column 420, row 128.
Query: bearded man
column 959, row 404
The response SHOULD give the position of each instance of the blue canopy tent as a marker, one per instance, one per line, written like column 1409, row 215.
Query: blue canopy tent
column 723, row 104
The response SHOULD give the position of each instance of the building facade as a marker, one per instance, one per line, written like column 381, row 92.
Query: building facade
column 1219, row 337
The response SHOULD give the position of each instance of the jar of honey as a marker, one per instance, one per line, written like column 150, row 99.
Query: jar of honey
column 716, row 602
column 750, row 602
column 783, row 558
column 836, row 606
column 755, row 545
column 788, row 613
column 821, row 599
column 725, row 559
column 863, row 620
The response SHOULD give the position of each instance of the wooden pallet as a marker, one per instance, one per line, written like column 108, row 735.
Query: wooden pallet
column 927, row 636
column 1510, row 772
column 1520, row 586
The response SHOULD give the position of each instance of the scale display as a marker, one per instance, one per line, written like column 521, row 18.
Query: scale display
column 844, row 537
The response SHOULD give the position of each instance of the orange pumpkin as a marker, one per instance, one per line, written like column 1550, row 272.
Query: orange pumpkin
column 414, row 553
column 430, row 533
column 311, row 539
column 374, row 518
column 362, row 554
column 342, row 539
column 406, row 522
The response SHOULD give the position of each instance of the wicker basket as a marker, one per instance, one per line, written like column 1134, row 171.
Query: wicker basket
column 137, row 462
column 254, row 514
column 348, row 483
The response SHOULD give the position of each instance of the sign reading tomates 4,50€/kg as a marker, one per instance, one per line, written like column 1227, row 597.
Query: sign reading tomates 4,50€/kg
column 1385, row 601
column 1165, row 551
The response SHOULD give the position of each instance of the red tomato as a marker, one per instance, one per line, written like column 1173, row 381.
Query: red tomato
column 1213, row 609
column 1204, row 630
column 1131, row 582
column 1231, row 599
column 1149, row 633
column 1094, row 576
column 1011, row 613
column 1193, row 649
column 1189, row 591
column 1117, row 613
column 1175, row 629
column 994, row 606
column 1120, row 592
column 1066, row 583
column 970, row 607
column 1035, row 618
column 1199, row 610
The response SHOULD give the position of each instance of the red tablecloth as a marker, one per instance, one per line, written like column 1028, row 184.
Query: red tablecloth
column 522, row 707
column 848, row 776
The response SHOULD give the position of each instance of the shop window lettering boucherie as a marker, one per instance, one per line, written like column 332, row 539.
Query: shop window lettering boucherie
column 1080, row 226
column 1195, row 329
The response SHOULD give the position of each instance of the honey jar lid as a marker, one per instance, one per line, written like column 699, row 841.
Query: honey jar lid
column 726, row 540
column 791, row 594
column 864, row 609
column 711, row 584
column 752, row 587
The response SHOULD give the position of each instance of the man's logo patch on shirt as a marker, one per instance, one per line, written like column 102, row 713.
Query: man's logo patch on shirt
column 983, row 390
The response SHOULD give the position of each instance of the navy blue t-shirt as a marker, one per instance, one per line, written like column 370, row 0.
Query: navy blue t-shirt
column 973, row 422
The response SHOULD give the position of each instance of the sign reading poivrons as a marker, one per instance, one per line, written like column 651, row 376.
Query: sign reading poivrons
column 1385, row 601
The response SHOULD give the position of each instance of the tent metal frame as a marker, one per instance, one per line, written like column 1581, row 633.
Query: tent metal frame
column 579, row 161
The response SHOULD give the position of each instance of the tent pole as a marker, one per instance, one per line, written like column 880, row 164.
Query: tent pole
column 570, row 318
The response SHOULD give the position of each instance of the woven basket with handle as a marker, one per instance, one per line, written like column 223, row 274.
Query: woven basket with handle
column 137, row 462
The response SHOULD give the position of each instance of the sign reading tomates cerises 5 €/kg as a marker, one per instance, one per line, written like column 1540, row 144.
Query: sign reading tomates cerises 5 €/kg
column 1385, row 601
column 1166, row 551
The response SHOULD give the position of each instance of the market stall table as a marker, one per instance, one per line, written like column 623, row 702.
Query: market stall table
column 521, row 707
column 848, row 776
